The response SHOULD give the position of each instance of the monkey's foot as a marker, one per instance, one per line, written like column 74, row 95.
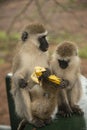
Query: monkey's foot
column 38, row 122
column 65, row 111
column 48, row 121
column 22, row 83
column 77, row 110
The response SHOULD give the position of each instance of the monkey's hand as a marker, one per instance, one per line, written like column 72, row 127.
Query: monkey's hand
column 45, row 74
column 53, row 79
column 64, row 83
column 22, row 83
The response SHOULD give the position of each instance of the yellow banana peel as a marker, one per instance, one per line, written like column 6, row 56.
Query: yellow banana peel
column 34, row 78
column 38, row 72
column 54, row 79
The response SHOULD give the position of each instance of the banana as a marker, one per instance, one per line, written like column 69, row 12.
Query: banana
column 38, row 71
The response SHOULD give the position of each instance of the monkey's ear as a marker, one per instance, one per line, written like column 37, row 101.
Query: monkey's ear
column 24, row 36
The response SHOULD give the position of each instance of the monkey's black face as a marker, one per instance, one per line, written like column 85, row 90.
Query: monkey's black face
column 63, row 63
column 43, row 43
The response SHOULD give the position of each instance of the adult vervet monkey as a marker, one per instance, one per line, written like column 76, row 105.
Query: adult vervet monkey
column 35, row 103
column 65, row 63
column 31, row 52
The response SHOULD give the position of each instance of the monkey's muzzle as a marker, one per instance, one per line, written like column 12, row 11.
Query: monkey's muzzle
column 63, row 63
column 43, row 44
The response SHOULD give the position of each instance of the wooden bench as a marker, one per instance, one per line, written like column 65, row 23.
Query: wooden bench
column 71, row 123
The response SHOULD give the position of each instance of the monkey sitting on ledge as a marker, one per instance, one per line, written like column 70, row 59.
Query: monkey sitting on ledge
column 32, row 51
column 65, row 63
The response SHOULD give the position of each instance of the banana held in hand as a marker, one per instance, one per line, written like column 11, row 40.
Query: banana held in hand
column 39, row 71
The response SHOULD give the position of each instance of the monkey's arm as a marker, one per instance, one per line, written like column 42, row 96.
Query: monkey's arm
column 72, row 76
column 19, row 78
column 63, row 104
column 74, row 96
column 22, row 78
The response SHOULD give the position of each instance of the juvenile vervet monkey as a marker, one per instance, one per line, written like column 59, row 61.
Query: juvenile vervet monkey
column 65, row 63
column 27, row 95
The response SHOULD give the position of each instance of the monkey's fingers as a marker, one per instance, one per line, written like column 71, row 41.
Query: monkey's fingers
column 65, row 111
column 22, row 83
column 77, row 110
column 64, row 83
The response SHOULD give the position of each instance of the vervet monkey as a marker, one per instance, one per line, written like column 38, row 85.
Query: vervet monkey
column 65, row 63
column 35, row 103
column 28, row 96
column 31, row 52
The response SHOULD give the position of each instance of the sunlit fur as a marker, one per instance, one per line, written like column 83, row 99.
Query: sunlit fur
column 34, row 101
column 68, row 97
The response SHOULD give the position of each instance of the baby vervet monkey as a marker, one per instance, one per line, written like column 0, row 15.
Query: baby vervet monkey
column 65, row 63
column 29, row 97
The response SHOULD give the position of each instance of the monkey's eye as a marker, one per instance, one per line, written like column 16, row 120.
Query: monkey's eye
column 24, row 36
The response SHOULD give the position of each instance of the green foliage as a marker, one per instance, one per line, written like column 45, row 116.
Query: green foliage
column 2, row 61
column 83, row 52
column 62, row 36
column 5, row 38
column 65, row 36
column 77, row 38
column 14, row 36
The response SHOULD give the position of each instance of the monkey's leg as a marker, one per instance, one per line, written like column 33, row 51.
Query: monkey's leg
column 74, row 96
column 28, row 110
column 63, row 104
column 27, row 105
